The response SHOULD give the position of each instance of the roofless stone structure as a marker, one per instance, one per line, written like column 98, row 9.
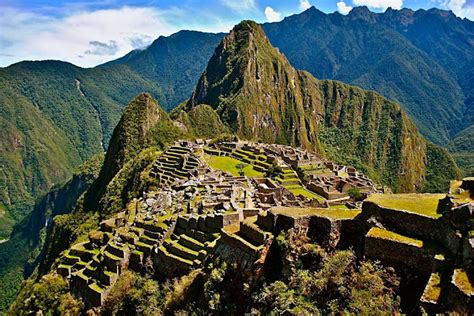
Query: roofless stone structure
column 230, row 200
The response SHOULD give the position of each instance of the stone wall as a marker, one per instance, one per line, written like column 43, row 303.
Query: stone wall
column 416, row 225
column 399, row 253
column 252, row 233
column 232, row 250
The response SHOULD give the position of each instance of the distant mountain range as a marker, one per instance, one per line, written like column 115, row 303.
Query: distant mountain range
column 55, row 115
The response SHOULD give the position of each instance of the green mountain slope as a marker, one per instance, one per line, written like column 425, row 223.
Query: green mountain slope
column 128, row 138
column 414, row 58
column 24, row 251
column 55, row 115
column 259, row 95
column 462, row 149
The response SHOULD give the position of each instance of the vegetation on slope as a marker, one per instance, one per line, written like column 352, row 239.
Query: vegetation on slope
column 129, row 137
column 462, row 149
column 441, row 169
column 259, row 96
column 23, row 252
column 418, row 58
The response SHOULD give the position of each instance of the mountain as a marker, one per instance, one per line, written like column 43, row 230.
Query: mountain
column 130, row 135
column 417, row 58
column 462, row 149
column 23, row 252
column 258, row 95
column 63, row 114
column 118, row 249
column 55, row 115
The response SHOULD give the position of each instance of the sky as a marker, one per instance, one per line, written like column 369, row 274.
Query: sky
column 87, row 33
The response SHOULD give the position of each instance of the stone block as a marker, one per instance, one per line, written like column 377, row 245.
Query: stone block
column 252, row 233
column 399, row 254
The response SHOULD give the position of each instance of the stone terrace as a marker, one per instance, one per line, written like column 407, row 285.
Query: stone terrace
column 195, row 213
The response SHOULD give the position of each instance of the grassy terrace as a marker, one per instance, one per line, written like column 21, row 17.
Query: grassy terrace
column 334, row 214
column 298, row 189
column 229, row 164
column 424, row 204
column 460, row 198
column 461, row 279
column 386, row 234
column 433, row 288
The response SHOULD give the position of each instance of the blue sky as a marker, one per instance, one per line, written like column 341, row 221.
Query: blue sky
column 88, row 32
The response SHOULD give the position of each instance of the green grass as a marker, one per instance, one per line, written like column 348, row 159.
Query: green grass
column 132, row 209
column 339, row 207
column 334, row 214
column 94, row 286
column 424, row 204
column 386, row 234
column 297, row 190
column 229, row 164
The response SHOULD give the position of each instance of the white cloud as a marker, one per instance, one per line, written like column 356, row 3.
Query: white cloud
column 304, row 5
column 461, row 8
column 380, row 4
column 85, row 38
column 272, row 15
column 343, row 8
column 240, row 6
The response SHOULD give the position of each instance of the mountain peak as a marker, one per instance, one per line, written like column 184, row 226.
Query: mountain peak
column 130, row 136
column 239, row 60
column 363, row 13
column 245, row 33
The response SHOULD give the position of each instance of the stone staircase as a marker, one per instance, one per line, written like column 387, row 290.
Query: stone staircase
column 288, row 178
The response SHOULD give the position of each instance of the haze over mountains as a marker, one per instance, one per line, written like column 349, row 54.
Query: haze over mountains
column 63, row 114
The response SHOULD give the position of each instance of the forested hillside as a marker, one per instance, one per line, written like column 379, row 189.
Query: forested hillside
column 420, row 59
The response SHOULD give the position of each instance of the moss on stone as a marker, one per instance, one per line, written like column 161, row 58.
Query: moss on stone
column 424, row 204
column 386, row 234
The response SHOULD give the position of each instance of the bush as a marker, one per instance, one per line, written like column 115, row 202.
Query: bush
column 49, row 295
column 355, row 194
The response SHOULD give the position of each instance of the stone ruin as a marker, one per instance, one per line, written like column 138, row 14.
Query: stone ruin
column 197, row 213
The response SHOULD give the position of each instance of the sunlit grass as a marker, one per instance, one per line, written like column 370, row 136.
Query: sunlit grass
column 335, row 214
column 386, row 234
column 424, row 204
column 229, row 164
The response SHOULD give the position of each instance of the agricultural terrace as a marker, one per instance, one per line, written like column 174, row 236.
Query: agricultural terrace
column 386, row 234
column 424, row 204
column 333, row 214
column 230, row 164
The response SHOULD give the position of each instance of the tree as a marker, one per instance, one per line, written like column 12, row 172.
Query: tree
column 240, row 167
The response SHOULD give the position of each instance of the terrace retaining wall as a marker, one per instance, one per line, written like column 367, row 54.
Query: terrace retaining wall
column 417, row 225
